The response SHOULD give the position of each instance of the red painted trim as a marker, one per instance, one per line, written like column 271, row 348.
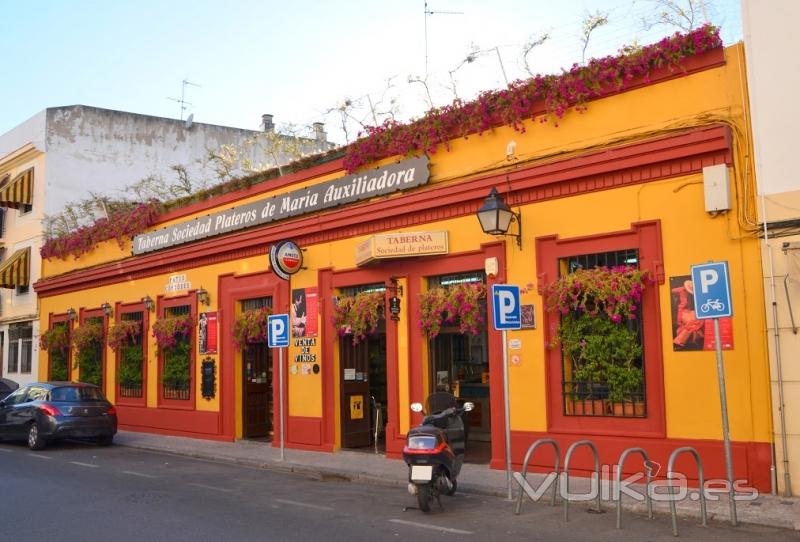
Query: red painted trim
column 120, row 309
column 751, row 460
column 655, row 159
column 232, row 289
column 85, row 314
column 167, row 421
column 162, row 304
column 646, row 237
column 303, row 431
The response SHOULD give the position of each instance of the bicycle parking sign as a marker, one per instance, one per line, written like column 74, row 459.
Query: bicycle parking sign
column 712, row 291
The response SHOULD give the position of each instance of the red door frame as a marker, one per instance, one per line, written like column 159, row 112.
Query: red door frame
column 54, row 319
column 232, row 289
column 125, row 308
column 414, row 270
column 646, row 237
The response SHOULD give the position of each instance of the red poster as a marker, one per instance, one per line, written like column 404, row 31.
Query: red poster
column 725, row 334
column 312, row 309
column 208, row 333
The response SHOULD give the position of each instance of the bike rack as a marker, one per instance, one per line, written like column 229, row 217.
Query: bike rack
column 524, row 473
column 618, row 490
column 670, row 464
column 565, row 472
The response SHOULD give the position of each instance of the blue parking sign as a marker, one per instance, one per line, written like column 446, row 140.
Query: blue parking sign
column 712, row 290
column 277, row 330
column 506, row 308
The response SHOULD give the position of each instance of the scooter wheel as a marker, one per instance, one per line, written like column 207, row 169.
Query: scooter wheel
column 424, row 497
column 452, row 490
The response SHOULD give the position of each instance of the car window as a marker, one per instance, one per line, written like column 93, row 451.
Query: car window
column 17, row 397
column 76, row 393
column 37, row 393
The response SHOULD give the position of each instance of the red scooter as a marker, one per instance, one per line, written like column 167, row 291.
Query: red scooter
column 434, row 451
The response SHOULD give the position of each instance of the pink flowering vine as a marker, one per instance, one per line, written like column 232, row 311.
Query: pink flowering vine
column 523, row 99
column 462, row 303
column 359, row 315
column 121, row 225
column 613, row 291
column 168, row 330
column 123, row 333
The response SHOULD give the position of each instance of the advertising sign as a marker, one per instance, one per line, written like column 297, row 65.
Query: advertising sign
column 348, row 189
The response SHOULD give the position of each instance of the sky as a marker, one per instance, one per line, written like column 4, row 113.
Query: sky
column 298, row 60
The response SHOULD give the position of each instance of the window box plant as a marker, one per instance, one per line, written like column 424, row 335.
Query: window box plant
column 359, row 315
column 599, row 337
column 56, row 341
column 456, row 303
column 251, row 327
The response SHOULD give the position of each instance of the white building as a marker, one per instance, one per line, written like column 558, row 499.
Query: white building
column 773, row 76
column 60, row 155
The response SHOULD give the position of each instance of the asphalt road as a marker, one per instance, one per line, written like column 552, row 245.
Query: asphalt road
column 80, row 492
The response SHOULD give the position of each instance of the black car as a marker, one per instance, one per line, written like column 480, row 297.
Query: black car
column 6, row 387
column 56, row 410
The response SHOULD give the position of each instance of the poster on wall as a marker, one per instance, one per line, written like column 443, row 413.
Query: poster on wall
column 208, row 332
column 299, row 313
column 312, row 310
column 689, row 333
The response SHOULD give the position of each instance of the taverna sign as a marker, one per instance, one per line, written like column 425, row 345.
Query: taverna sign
column 351, row 188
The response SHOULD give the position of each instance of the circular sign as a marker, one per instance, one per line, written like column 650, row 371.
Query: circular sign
column 286, row 259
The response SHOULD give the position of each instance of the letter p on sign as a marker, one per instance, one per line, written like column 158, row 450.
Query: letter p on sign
column 708, row 278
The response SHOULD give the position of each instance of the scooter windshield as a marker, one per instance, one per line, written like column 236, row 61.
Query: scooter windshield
column 439, row 401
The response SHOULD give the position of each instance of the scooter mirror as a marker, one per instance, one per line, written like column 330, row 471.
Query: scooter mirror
column 468, row 406
column 416, row 407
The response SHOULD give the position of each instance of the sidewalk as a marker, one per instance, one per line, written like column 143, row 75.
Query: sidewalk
column 480, row 479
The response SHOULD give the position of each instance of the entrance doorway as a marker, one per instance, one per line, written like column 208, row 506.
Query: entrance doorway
column 459, row 364
column 363, row 385
column 257, row 404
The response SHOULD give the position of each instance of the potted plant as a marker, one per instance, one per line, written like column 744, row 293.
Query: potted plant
column 56, row 341
column 251, row 327
column 172, row 337
column 462, row 303
column 88, row 342
column 598, row 336
column 359, row 315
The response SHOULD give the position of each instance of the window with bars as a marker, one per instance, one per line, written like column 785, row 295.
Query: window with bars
column 176, row 375
column 131, row 360
column 591, row 385
column 58, row 358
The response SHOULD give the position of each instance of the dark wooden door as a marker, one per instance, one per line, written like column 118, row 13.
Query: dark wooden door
column 257, row 392
column 356, row 411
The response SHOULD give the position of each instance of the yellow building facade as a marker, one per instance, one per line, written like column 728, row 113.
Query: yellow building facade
column 619, row 185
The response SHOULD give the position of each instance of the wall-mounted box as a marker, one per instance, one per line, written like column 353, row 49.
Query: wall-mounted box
column 717, row 188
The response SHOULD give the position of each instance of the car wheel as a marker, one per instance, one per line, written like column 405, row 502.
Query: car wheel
column 35, row 439
column 105, row 440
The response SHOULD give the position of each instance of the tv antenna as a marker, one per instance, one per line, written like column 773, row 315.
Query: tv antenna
column 431, row 12
column 182, row 100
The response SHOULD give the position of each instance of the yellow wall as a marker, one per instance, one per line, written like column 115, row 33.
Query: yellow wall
column 690, row 235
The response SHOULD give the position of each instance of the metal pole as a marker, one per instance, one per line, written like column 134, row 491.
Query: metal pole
column 280, row 409
column 506, row 403
column 726, row 434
